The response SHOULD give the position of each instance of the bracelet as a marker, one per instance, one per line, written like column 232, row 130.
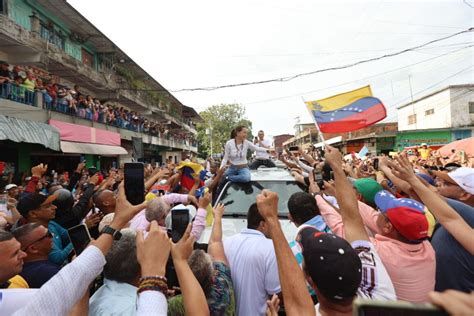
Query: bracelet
column 153, row 283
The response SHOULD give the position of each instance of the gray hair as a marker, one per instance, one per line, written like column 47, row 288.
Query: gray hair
column 22, row 232
column 156, row 210
column 201, row 265
column 122, row 264
column 5, row 235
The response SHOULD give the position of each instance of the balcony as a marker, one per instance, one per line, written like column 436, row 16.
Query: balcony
column 20, row 103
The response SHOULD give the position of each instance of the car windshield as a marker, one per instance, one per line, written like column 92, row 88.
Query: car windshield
column 238, row 197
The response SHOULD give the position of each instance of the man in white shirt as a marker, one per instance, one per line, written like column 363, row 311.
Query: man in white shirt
column 262, row 158
column 253, row 265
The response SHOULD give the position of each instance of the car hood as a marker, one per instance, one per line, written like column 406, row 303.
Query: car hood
column 232, row 226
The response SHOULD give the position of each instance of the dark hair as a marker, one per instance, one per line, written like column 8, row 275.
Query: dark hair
column 253, row 217
column 4, row 235
column 236, row 130
column 24, row 230
column 302, row 207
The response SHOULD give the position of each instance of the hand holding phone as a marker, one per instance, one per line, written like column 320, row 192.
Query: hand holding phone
column 134, row 182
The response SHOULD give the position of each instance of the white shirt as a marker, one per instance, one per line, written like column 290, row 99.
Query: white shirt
column 376, row 283
column 237, row 154
column 254, row 270
column 260, row 154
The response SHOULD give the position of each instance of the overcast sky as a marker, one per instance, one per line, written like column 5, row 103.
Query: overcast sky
column 190, row 44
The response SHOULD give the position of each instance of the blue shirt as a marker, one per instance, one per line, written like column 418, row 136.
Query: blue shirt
column 37, row 273
column 114, row 298
column 454, row 264
column 61, row 244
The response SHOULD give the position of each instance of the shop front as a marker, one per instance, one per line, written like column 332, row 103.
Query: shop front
column 434, row 139
column 99, row 148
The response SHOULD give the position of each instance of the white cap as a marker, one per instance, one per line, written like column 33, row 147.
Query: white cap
column 464, row 177
column 10, row 186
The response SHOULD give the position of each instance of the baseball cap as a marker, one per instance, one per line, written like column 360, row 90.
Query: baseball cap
column 367, row 187
column 463, row 177
column 426, row 177
column 2, row 62
column 10, row 186
column 331, row 262
column 33, row 201
column 409, row 217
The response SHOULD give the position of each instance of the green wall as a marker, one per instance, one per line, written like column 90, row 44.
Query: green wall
column 415, row 138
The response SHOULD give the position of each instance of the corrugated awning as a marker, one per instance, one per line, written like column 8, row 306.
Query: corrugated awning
column 93, row 149
column 19, row 131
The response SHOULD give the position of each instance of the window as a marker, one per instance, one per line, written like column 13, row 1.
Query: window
column 471, row 107
column 87, row 58
column 3, row 6
column 429, row 112
column 412, row 119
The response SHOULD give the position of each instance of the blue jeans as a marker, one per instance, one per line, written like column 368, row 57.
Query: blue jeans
column 238, row 175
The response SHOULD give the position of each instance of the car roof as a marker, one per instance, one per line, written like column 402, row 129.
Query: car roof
column 271, row 174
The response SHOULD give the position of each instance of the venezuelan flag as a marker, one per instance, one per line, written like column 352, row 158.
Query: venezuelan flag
column 189, row 169
column 347, row 111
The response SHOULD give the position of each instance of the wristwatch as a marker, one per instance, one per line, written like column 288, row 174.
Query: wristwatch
column 116, row 234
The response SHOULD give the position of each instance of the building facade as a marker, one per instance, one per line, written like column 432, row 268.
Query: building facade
column 57, row 45
column 438, row 118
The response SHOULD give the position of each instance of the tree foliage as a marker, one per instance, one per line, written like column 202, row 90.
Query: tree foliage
column 221, row 119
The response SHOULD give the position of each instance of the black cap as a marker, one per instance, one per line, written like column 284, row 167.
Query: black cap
column 33, row 202
column 331, row 262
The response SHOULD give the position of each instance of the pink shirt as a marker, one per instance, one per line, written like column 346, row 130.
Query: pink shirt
column 139, row 222
column 411, row 267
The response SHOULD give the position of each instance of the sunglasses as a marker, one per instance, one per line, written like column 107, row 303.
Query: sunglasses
column 47, row 235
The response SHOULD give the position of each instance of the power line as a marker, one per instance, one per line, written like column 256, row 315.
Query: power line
column 361, row 79
column 284, row 79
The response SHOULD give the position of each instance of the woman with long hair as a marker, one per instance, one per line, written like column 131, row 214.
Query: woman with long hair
column 235, row 152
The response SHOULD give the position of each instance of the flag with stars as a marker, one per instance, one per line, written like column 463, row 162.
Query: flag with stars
column 347, row 111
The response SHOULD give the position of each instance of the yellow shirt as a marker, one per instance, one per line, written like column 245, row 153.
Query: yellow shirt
column 424, row 153
column 17, row 282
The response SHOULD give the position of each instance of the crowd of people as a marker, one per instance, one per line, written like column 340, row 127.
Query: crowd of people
column 20, row 84
column 380, row 229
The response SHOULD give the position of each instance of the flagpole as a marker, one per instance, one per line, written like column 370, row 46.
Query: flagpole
column 320, row 135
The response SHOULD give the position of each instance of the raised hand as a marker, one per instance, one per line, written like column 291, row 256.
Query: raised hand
column 39, row 170
column 153, row 252
column 181, row 251
column 267, row 203
column 403, row 168
column 124, row 211
column 205, row 200
column 218, row 210
column 333, row 156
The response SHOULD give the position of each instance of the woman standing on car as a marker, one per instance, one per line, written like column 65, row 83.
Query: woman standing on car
column 236, row 153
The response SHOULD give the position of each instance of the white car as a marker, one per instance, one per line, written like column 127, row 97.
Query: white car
column 237, row 198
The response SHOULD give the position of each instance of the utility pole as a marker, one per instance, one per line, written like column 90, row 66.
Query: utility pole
column 412, row 103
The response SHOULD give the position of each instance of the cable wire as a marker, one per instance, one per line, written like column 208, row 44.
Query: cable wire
column 288, row 78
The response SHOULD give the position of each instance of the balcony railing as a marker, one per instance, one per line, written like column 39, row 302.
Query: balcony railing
column 17, row 93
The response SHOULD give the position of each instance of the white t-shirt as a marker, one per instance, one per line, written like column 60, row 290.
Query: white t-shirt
column 376, row 283
column 254, row 270
column 260, row 154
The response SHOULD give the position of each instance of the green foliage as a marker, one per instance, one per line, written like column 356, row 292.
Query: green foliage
column 222, row 119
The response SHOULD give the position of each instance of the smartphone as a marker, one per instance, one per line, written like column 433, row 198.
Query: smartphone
column 376, row 163
column 364, row 307
column 318, row 179
column 92, row 171
column 179, row 222
column 114, row 164
column 293, row 148
column 80, row 237
column 82, row 159
column 134, row 182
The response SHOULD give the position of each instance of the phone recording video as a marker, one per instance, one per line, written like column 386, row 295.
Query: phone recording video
column 134, row 182
column 92, row 171
column 80, row 238
column 293, row 148
column 376, row 163
column 179, row 223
